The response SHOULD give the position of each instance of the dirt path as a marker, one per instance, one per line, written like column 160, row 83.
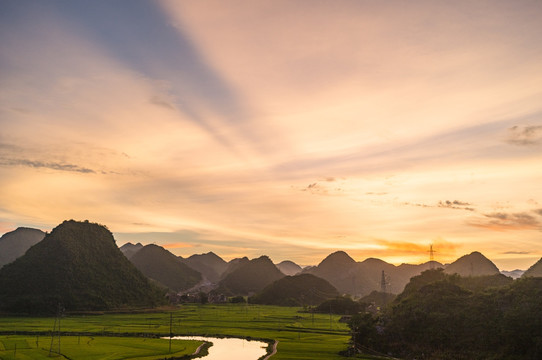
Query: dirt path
column 274, row 350
column 198, row 349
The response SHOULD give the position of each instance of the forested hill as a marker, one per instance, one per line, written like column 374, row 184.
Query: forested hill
column 79, row 266
column 473, row 264
column 441, row 316
column 250, row 277
column 535, row 270
column 209, row 265
column 160, row 265
column 298, row 290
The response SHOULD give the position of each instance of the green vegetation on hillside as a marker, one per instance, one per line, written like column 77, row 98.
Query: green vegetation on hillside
column 534, row 270
column 449, row 317
column 340, row 305
column 79, row 267
column 378, row 298
column 299, row 290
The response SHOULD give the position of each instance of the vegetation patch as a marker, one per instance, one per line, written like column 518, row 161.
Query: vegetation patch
column 441, row 316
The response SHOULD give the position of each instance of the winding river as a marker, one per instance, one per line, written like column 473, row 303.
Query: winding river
column 230, row 348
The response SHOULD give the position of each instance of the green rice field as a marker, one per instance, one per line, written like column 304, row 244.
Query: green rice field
column 134, row 336
column 92, row 347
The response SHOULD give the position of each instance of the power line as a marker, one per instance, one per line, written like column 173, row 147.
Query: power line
column 55, row 334
column 431, row 257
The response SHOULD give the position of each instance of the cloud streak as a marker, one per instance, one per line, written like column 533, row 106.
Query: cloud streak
column 46, row 165
column 455, row 204
column 500, row 221
column 525, row 135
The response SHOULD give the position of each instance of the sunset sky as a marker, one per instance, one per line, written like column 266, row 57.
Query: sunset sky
column 286, row 128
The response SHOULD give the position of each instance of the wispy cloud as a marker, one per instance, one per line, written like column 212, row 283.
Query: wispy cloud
column 456, row 204
column 448, row 204
column 517, row 252
column 501, row 221
column 326, row 186
column 159, row 101
column 46, row 165
column 525, row 135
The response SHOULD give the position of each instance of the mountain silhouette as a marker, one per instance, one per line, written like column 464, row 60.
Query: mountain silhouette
column 166, row 269
column 535, row 270
column 79, row 266
column 514, row 274
column 361, row 278
column 473, row 264
column 15, row 243
column 210, row 265
column 334, row 268
column 250, row 277
column 288, row 267
column 130, row 249
column 233, row 265
column 299, row 290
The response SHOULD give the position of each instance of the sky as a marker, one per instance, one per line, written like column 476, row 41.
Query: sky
column 286, row 128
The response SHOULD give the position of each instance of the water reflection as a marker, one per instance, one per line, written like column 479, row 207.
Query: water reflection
column 230, row 348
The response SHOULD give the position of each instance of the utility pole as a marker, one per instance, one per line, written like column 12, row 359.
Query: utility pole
column 383, row 282
column 170, row 330
column 56, row 329
column 431, row 257
column 330, row 317
column 52, row 338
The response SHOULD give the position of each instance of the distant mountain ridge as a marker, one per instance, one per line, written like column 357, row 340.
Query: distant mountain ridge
column 166, row 269
column 79, row 266
column 288, row 267
column 210, row 265
column 233, row 265
column 473, row 264
column 130, row 249
column 361, row 278
column 15, row 243
column 514, row 274
column 358, row 278
column 249, row 277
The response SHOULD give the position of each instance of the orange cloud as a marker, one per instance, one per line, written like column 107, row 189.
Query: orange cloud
column 408, row 247
column 177, row 245
column 409, row 252
column 6, row 227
